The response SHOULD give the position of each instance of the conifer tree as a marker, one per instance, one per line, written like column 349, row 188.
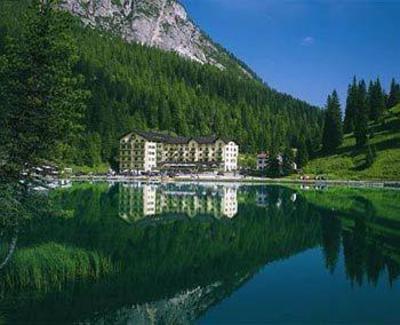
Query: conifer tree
column 333, row 129
column 361, row 117
column 274, row 166
column 350, row 112
column 302, row 153
column 41, row 95
column 376, row 99
column 394, row 94
column 370, row 98
column 370, row 156
column 288, row 159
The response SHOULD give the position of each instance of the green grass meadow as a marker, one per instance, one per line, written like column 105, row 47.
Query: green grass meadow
column 349, row 162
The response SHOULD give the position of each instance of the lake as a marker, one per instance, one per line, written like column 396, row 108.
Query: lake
column 210, row 254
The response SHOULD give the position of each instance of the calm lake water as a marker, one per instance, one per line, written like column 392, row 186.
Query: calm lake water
column 178, row 254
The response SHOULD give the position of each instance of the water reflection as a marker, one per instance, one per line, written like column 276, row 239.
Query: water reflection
column 171, row 253
column 138, row 201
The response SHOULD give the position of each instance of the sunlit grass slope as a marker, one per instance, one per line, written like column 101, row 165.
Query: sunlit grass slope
column 348, row 162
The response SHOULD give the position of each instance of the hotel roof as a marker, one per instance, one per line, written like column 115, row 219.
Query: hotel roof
column 169, row 139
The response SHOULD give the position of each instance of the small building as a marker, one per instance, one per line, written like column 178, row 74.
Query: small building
column 142, row 151
column 262, row 160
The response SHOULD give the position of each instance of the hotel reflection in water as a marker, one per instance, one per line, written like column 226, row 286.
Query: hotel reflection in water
column 138, row 201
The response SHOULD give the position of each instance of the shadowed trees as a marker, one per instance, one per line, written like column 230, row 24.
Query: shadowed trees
column 333, row 129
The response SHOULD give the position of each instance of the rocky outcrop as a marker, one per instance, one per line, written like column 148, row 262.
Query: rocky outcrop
column 161, row 23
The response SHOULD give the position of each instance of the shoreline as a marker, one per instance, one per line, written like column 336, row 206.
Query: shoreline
column 240, row 180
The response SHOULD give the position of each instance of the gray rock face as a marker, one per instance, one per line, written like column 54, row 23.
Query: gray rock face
column 161, row 23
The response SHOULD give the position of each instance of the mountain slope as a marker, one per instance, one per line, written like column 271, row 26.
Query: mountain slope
column 135, row 86
column 350, row 163
column 158, row 23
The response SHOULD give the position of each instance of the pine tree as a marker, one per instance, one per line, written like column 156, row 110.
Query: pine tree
column 274, row 166
column 376, row 99
column 302, row 153
column 42, row 98
column 370, row 156
column 333, row 129
column 350, row 113
column 394, row 94
column 287, row 161
column 361, row 117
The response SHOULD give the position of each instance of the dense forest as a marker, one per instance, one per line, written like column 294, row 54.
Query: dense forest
column 133, row 86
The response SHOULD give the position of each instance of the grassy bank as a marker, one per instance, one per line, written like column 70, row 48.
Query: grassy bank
column 87, row 170
column 50, row 265
column 349, row 162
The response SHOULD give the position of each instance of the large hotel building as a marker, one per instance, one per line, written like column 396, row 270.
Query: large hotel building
column 151, row 151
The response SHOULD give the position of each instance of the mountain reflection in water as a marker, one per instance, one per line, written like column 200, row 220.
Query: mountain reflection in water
column 144, row 253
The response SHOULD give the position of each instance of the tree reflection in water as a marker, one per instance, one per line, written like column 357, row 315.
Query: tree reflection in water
column 168, row 253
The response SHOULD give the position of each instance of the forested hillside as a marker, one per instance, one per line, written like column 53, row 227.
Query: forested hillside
column 133, row 86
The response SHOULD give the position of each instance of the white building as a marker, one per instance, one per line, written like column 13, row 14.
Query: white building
column 149, row 151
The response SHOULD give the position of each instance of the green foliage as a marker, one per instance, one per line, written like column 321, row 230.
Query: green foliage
column 93, row 253
column 248, row 161
column 394, row 94
column 372, row 125
column 18, row 205
column 274, row 166
column 361, row 115
column 366, row 222
column 302, row 156
column 41, row 98
column 92, row 145
column 349, row 162
column 333, row 130
column 45, row 266
column 376, row 98
column 140, row 87
column 87, row 170
column 370, row 156
column 62, row 263
column 288, row 158
column 362, row 106
column 350, row 114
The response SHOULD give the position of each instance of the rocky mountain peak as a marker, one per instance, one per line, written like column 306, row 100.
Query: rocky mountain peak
column 160, row 23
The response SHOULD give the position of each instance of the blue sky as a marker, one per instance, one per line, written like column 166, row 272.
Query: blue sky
column 307, row 48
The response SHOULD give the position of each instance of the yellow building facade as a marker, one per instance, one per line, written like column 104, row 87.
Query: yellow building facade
column 149, row 151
